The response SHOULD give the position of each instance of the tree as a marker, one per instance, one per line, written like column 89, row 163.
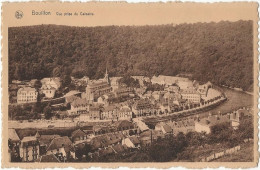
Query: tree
column 37, row 84
column 66, row 80
column 160, row 152
column 48, row 112
column 145, row 50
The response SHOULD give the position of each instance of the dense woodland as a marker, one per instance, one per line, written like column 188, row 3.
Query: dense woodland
column 219, row 52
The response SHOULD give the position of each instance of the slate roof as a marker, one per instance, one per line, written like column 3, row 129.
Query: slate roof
column 105, row 140
column 29, row 138
column 70, row 99
column 27, row 89
column 167, row 128
column 123, row 123
column 13, row 135
column 78, row 133
column 46, row 139
column 49, row 158
column 59, row 142
column 79, row 102
column 214, row 120
column 134, row 140
column 189, row 91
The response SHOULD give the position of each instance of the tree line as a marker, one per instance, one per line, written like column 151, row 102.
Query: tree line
column 218, row 52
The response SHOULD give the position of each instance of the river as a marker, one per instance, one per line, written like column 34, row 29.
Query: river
column 235, row 100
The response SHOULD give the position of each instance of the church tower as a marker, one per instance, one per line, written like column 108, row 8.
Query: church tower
column 106, row 78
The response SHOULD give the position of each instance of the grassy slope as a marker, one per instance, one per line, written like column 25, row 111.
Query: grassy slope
column 246, row 154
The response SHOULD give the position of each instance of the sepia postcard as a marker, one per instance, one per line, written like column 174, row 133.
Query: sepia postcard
column 116, row 84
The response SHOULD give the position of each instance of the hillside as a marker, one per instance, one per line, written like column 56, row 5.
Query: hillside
column 220, row 52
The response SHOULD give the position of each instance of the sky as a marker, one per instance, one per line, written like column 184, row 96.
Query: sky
column 127, row 14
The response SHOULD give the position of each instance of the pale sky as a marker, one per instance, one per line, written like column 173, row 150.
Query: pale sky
column 127, row 14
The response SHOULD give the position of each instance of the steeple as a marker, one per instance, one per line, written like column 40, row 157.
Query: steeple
column 106, row 78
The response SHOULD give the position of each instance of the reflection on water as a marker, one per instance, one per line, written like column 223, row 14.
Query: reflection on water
column 236, row 99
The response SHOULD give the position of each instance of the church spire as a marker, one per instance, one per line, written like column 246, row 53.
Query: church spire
column 106, row 71
column 107, row 76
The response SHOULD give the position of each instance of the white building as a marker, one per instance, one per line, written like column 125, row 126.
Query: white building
column 29, row 149
column 52, row 81
column 167, row 80
column 191, row 95
column 114, row 82
column 48, row 90
column 27, row 95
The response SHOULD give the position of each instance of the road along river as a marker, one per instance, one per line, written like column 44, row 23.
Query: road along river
column 235, row 100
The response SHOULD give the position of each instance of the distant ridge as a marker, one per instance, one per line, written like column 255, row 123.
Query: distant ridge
column 218, row 52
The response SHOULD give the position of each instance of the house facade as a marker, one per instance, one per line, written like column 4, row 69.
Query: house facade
column 29, row 149
column 191, row 95
column 54, row 82
column 48, row 91
column 27, row 95
column 79, row 106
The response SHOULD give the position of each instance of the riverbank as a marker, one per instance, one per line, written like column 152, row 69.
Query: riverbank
column 235, row 100
column 238, row 89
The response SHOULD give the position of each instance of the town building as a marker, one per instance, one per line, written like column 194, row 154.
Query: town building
column 147, row 137
column 172, row 88
column 48, row 158
column 125, row 126
column 183, row 126
column 62, row 146
column 106, row 99
column 45, row 141
column 94, row 113
column 29, row 149
column 13, row 137
column 114, row 81
column 98, row 88
column 79, row 106
column 187, row 84
column 167, row 80
column 205, row 124
column 142, row 107
column 54, row 82
column 109, row 112
column 191, row 95
column 123, row 91
column 164, row 128
column 131, row 142
column 48, row 91
column 237, row 116
column 78, row 135
column 27, row 95
column 124, row 113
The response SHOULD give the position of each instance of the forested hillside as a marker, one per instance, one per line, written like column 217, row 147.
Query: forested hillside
column 219, row 52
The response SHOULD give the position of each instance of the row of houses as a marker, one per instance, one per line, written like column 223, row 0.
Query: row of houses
column 203, row 124
column 40, row 147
